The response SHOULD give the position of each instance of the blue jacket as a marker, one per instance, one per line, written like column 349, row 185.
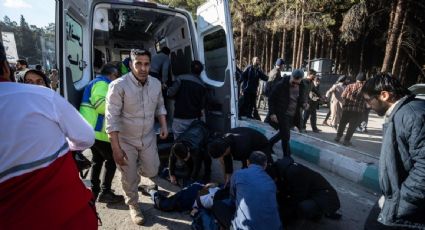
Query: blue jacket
column 402, row 165
column 255, row 194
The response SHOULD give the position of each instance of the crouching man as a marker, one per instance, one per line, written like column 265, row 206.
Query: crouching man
column 188, row 153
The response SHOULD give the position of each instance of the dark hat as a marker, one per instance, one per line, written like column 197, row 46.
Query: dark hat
column 361, row 77
column 280, row 62
column 297, row 74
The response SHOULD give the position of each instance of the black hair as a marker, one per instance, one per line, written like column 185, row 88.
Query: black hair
column 108, row 69
column 139, row 52
column 180, row 150
column 312, row 72
column 22, row 62
column 258, row 158
column 217, row 147
column 39, row 67
column 196, row 67
column 384, row 82
column 39, row 73
column 166, row 50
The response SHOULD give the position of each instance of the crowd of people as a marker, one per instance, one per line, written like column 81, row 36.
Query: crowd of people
column 116, row 121
column 294, row 100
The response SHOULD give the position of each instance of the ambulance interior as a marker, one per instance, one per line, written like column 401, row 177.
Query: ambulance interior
column 119, row 28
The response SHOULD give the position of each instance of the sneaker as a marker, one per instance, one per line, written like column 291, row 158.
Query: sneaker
column 347, row 143
column 110, row 197
column 136, row 215
column 145, row 189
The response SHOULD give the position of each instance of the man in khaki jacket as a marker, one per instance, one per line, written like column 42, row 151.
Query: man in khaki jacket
column 132, row 103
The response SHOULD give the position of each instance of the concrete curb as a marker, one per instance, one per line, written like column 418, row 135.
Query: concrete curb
column 363, row 171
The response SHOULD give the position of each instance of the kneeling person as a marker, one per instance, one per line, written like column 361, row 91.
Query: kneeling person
column 188, row 153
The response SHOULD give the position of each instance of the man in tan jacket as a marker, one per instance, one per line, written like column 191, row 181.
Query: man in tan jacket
column 132, row 103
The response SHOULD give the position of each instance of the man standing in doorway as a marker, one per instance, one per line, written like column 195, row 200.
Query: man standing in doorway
column 132, row 103
column 402, row 158
column 250, row 80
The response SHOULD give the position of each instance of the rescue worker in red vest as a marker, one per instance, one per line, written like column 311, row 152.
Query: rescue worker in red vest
column 92, row 108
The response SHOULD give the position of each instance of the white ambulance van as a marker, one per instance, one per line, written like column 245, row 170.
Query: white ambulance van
column 101, row 31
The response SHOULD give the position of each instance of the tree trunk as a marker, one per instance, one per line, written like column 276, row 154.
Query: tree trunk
column 249, row 45
column 300, row 55
column 317, row 45
column 266, row 59
column 310, row 48
column 393, row 35
column 330, row 47
column 272, row 54
column 255, row 44
column 294, row 48
column 323, row 47
column 396, row 64
column 283, row 54
column 241, row 44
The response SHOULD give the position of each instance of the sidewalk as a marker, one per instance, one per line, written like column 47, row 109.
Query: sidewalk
column 358, row 163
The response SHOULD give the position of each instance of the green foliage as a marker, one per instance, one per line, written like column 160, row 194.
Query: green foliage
column 27, row 38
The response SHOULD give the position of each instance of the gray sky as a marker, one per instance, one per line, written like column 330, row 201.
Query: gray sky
column 36, row 12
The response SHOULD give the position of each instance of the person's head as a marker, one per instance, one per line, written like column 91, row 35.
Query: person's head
column 21, row 64
column 110, row 70
column 255, row 61
column 296, row 77
column 382, row 91
column 279, row 63
column 140, row 64
column 361, row 77
column 218, row 147
column 36, row 77
column 181, row 151
column 196, row 67
column 311, row 74
column 39, row 67
column 258, row 158
column 166, row 50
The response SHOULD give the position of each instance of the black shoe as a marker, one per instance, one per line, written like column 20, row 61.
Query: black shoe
column 145, row 189
column 110, row 197
column 337, row 139
column 317, row 130
column 347, row 143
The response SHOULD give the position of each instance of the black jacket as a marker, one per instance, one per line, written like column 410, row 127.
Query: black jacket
column 402, row 165
column 297, row 183
column 195, row 138
column 279, row 97
column 250, row 79
column 190, row 96
column 243, row 141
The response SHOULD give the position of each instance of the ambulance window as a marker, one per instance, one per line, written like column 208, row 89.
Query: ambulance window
column 215, row 49
column 74, row 46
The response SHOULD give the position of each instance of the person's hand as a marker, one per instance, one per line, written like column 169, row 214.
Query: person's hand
column 273, row 118
column 173, row 179
column 120, row 157
column 163, row 133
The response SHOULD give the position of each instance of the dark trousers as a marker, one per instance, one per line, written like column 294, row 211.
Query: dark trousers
column 247, row 106
column 311, row 113
column 372, row 220
column 284, row 134
column 102, row 152
column 351, row 118
column 329, row 111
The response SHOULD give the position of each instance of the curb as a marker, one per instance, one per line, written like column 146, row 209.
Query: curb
column 327, row 155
